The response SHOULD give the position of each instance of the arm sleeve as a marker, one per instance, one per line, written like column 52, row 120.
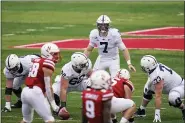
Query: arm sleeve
column 49, row 64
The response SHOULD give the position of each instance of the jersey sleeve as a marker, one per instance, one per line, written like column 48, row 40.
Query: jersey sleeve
column 129, row 84
column 107, row 95
column 7, row 74
column 49, row 64
column 118, row 39
column 65, row 72
column 93, row 38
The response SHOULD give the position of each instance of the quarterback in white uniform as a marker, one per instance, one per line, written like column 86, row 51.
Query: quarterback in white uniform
column 108, row 41
column 161, row 80
column 16, row 71
column 74, row 77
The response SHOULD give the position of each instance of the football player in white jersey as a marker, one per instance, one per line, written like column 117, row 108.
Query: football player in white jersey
column 74, row 77
column 161, row 80
column 108, row 41
column 16, row 71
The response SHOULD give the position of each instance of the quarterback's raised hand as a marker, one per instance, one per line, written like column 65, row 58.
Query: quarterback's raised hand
column 131, row 68
column 157, row 116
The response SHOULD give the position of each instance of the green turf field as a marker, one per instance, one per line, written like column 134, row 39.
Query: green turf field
column 31, row 22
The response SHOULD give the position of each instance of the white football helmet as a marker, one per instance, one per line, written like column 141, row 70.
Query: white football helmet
column 123, row 73
column 79, row 60
column 48, row 50
column 100, row 79
column 13, row 63
column 148, row 63
column 103, row 23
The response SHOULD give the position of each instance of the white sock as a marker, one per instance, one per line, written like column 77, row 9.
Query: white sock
column 7, row 105
column 142, row 107
column 123, row 120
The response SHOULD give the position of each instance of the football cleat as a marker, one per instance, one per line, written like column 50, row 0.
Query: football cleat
column 18, row 104
column 114, row 121
column 5, row 110
column 140, row 113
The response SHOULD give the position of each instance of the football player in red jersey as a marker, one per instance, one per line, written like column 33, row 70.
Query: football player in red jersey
column 121, row 102
column 96, row 100
column 39, row 84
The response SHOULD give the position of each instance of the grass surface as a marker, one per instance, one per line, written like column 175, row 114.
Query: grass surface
column 32, row 22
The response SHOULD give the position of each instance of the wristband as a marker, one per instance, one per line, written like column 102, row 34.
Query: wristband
column 128, row 62
column 63, row 104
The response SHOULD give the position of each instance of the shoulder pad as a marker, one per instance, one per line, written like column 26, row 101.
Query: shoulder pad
column 93, row 33
column 115, row 32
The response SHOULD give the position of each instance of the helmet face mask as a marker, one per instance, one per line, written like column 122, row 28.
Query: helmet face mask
column 103, row 28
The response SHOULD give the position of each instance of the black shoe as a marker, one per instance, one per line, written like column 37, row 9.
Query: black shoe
column 5, row 110
column 131, row 120
column 18, row 104
column 114, row 121
column 140, row 113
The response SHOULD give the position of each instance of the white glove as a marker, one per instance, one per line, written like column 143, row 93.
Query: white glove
column 54, row 106
column 157, row 116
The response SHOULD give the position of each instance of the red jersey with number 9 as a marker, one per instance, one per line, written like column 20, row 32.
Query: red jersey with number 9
column 92, row 101
column 36, row 74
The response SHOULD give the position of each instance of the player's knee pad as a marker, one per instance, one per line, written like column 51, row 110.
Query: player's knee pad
column 57, row 99
column 176, row 103
column 17, row 91
column 148, row 96
column 174, row 99
column 8, row 91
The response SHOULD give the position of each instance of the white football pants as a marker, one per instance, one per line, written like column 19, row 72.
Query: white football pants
column 56, row 86
column 33, row 99
column 112, row 64
column 120, row 104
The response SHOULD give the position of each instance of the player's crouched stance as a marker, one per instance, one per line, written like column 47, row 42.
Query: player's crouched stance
column 96, row 101
column 16, row 71
column 38, row 83
column 121, row 102
column 161, row 79
column 74, row 77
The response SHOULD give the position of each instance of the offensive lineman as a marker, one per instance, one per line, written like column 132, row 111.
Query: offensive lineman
column 161, row 80
column 39, row 84
column 96, row 101
column 108, row 40
column 16, row 71
column 74, row 77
